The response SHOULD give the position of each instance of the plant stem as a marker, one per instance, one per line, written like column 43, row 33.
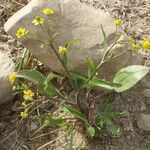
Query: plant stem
column 77, row 96
column 22, row 59
column 103, row 61
column 65, row 101
column 88, row 102
column 66, row 69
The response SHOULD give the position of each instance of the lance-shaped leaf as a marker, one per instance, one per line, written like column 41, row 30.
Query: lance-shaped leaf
column 102, row 83
column 91, row 66
column 64, row 59
column 105, row 38
column 49, row 88
column 39, row 80
column 78, row 75
column 75, row 112
column 34, row 76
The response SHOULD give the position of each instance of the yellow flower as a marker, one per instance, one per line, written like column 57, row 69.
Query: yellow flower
column 135, row 46
column 62, row 50
column 28, row 94
column 118, row 22
column 146, row 44
column 21, row 32
column 12, row 77
column 38, row 20
column 48, row 11
column 23, row 115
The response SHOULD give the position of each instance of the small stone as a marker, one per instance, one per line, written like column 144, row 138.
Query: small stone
column 128, row 137
column 130, row 127
column 147, row 101
column 143, row 107
column 33, row 126
column 3, row 38
column 143, row 122
column 146, row 93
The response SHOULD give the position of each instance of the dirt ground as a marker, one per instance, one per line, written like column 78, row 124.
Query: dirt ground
column 13, row 134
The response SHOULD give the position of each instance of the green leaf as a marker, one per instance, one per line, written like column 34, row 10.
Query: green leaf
column 51, row 38
column 91, row 66
column 56, row 121
column 52, row 76
column 90, row 131
column 78, row 75
column 129, row 76
column 78, row 83
column 74, row 112
column 102, row 83
column 114, row 129
column 105, row 38
column 49, row 88
column 43, row 84
column 71, row 42
column 34, row 76
column 64, row 59
column 79, row 78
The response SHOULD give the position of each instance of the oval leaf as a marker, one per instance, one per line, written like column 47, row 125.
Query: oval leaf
column 129, row 76
column 90, row 131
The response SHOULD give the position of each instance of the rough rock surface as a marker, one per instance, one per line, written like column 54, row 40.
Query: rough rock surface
column 6, row 67
column 144, row 122
column 71, row 20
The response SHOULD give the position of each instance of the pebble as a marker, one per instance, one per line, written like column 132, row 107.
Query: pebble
column 143, row 122
column 33, row 126
column 146, row 93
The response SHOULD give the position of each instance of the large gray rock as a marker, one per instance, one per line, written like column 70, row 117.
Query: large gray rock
column 71, row 20
column 6, row 67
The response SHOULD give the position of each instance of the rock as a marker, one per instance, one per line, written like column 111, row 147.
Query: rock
column 33, row 126
column 72, row 20
column 143, row 107
column 146, row 93
column 6, row 67
column 144, row 122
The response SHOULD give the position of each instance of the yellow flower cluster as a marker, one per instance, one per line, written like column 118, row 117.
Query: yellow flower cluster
column 36, row 21
column 28, row 94
column 12, row 77
column 134, row 46
column 21, row 32
column 145, row 44
column 118, row 22
column 62, row 50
